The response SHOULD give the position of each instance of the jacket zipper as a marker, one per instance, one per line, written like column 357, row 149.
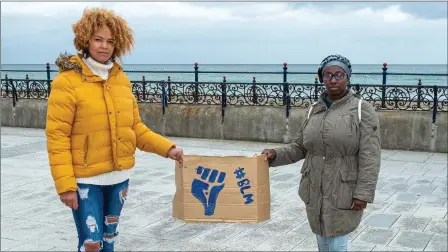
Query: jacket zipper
column 325, row 152
column 86, row 150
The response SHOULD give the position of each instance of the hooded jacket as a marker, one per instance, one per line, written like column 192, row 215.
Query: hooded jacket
column 342, row 155
column 93, row 125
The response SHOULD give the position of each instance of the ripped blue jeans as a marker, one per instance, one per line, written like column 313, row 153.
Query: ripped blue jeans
column 99, row 209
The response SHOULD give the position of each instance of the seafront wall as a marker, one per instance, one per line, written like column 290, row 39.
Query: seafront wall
column 403, row 130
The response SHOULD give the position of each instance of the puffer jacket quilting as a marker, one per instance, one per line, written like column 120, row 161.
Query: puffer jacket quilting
column 93, row 126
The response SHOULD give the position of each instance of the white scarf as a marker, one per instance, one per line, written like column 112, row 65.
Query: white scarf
column 101, row 70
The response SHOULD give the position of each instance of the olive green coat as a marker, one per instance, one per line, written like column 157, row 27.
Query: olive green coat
column 342, row 162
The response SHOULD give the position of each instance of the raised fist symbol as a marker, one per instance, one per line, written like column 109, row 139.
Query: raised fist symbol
column 200, row 186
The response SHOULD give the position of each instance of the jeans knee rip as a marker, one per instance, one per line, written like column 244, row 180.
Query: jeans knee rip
column 122, row 195
column 91, row 224
column 90, row 242
column 109, row 220
column 83, row 193
column 110, row 238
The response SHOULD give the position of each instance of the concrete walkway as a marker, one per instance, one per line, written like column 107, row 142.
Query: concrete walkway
column 409, row 213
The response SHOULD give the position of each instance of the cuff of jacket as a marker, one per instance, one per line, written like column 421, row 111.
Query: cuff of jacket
column 363, row 198
column 66, row 184
column 164, row 146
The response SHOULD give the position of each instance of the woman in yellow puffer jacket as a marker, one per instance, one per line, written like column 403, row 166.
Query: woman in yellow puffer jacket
column 93, row 128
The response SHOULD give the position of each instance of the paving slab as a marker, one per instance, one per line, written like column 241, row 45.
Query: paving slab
column 281, row 242
column 418, row 179
column 220, row 233
column 248, row 240
column 409, row 211
column 381, row 220
column 404, row 197
column 411, row 156
column 437, row 227
column 437, row 212
column 135, row 243
column 376, row 236
column 411, row 223
column 7, row 244
column 412, row 240
column 434, row 199
column 440, row 174
column 438, row 158
column 437, row 243
column 33, row 246
column 388, row 248
column 360, row 246
column 402, row 208
column 309, row 244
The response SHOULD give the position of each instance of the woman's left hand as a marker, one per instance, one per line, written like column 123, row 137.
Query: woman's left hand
column 176, row 154
column 358, row 205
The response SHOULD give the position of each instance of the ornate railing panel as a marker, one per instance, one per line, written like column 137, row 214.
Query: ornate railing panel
column 381, row 97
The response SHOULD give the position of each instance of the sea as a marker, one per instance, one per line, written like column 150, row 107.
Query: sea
column 263, row 73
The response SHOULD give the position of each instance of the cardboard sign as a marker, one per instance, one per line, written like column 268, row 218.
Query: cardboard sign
column 222, row 189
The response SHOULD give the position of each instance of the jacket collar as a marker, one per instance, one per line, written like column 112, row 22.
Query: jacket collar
column 66, row 62
column 320, row 104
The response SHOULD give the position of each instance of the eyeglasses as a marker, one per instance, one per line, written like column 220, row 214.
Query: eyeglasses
column 337, row 76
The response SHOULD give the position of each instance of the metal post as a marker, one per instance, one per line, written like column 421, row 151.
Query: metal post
column 163, row 98
column 27, row 87
column 285, row 86
column 196, row 85
column 7, row 86
column 254, row 91
column 285, row 72
column 48, row 79
column 223, row 98
column 144, row 87
column 288, row 101
column 169, row 89
column 419, row 92
column 383, row 91
column 436, row 104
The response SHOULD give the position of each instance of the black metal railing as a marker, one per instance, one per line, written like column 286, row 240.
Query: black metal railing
column 382, row 97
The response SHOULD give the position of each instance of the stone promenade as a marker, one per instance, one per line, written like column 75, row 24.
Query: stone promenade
column 409, row 213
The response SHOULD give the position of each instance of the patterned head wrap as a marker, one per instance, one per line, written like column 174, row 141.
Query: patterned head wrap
column 335, row 60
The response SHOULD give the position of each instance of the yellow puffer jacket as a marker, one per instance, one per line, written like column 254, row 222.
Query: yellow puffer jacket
column 93, row 126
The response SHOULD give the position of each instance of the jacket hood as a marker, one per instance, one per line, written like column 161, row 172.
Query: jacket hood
column 66, row 62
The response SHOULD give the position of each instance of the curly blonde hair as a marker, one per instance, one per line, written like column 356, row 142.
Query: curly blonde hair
column 96, row 18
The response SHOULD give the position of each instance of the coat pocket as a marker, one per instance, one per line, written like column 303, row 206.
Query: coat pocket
column 86, row 151
column 346, row 186
column 305, row 183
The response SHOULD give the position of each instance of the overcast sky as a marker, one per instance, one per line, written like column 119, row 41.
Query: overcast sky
column 241, row 33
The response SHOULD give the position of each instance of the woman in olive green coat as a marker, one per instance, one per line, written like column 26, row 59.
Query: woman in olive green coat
column 340, row 142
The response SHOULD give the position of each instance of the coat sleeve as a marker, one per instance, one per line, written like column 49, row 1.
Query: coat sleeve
column 147, row 140
column 292, row 153
column 60, row 115
column 369, row 154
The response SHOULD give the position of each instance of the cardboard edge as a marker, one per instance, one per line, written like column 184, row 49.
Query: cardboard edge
column 263, row 208
column 177, row 206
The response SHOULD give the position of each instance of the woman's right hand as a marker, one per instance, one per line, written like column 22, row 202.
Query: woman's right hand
column 270, row 154
column 70, row 199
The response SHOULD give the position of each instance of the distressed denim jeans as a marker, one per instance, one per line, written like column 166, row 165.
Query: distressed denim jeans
column 99, row 209
column 338, row 243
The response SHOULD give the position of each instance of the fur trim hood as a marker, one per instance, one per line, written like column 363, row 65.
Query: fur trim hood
column 66, row 62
